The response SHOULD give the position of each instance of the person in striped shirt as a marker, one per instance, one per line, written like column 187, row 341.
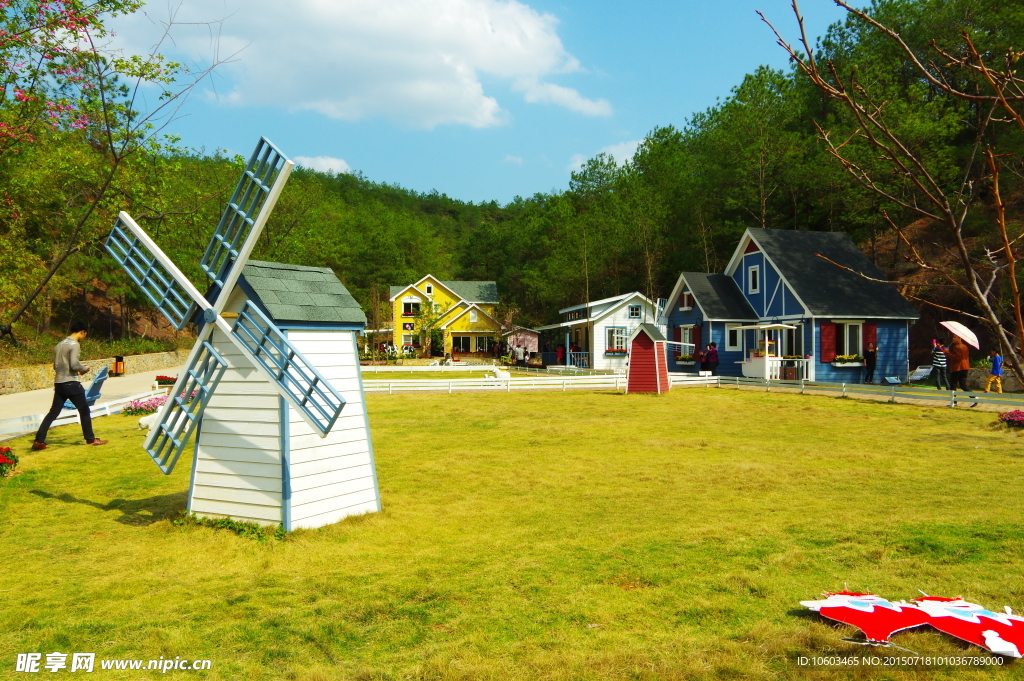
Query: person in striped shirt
column 939, row 366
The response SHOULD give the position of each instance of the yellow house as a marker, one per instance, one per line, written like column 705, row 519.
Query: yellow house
column 466, row 310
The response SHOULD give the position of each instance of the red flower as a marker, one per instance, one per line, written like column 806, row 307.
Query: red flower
column 4, row 460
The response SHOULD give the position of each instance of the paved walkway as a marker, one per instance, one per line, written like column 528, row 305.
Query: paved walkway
column 38, row 401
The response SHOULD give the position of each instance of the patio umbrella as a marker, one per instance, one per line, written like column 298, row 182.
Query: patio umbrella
column 962, row 331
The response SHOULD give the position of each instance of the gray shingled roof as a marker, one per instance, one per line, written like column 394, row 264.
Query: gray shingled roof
column 651, row 330
column 470, row 291
column 825, row 288
column 719, row 296
column 474, row 291
column 293, row 293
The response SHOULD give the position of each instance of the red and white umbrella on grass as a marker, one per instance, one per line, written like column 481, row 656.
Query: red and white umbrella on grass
column 960, row 330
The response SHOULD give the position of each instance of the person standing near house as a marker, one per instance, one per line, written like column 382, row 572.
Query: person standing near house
column 939, row 366
column 711, row 358
column 870, row 360
column 996, row 373
column 560, row 354
column 66, row 386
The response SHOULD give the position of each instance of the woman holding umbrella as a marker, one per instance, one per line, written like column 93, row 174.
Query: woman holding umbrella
column 959, row 356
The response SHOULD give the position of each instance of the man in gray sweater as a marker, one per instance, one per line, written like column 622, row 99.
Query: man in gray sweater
column 66, row 386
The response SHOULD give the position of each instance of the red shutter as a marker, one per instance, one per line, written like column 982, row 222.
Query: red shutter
column 828, row 341
column 677, row 334
column 695, row 339
column 682, row 300
column 870, row 333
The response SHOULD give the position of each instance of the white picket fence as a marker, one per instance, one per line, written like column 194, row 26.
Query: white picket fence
column 893, row 392
column 22, row 425
column 491, row 384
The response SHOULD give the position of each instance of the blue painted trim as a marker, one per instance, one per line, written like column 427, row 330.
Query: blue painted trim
column 366, row 421
column 286, row 466
column 195, row 463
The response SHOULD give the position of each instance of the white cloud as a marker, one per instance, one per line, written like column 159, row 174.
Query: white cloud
column 419, row 62
column 622, row 153
column 325, row 164
column 515, row 160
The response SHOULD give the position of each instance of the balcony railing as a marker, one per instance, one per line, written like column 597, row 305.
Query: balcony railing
column 579, row 359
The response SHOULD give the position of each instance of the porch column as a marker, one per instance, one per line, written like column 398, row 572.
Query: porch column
column 567, row 346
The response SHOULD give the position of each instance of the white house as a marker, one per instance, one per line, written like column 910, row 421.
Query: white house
column 596, row 334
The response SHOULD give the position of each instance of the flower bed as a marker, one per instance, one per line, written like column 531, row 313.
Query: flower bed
column 166, row 380
column 143, row 407
column 616, row 351
column 8, row 461
column 1014, row 419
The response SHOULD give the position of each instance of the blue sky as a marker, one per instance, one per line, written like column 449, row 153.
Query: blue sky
column 479, row 99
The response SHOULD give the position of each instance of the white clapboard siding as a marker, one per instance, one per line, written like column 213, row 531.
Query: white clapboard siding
column 264, row 515
column 332, row 474
column 261, row 470
column 331, row 493
column 300, row 484
column 367, row 506
column 238, row 469
column 238, row 461
column 326, row 458
column 346, row 500
column 250, row 482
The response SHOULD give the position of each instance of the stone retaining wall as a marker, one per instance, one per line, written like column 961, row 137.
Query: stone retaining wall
column 976, row 380
column 23, row 379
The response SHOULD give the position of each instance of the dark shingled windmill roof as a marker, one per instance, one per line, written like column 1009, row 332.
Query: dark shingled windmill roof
column 293, row 293
column 719, row 296
column 823, row 287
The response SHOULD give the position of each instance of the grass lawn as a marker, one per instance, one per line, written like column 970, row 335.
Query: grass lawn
column 534, row 536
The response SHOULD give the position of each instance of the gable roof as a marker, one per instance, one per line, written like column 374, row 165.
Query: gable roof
column 293, row 293
column 651, row 330
column 469, row 291
column 827, row 290
column 474, row 306
column 718, row 297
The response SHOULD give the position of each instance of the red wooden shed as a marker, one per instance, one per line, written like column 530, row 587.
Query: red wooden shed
column 648, row 370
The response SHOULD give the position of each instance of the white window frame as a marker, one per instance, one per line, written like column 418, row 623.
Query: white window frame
column 636, row 309
column 687, row 300
column 481, row 344
column 616, row 338
column 843, row 336
column 473, row 317
column 412, row 339
column 729, row 329
column 454, row 349
column 753, row 272
column 430, row 289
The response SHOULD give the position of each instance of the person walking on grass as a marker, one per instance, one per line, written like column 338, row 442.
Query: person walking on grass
column 939, row 366
column 959, row 364
column 996, row 374
column 66, row 386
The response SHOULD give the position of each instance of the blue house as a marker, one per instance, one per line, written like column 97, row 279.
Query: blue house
column 780, row 311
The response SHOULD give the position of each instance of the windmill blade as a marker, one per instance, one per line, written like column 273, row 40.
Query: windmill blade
column 164, row 285
column 296, row 379
column 245, row 215
column 188, row 399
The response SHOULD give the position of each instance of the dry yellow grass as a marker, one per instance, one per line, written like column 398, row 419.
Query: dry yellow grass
column 550, row 536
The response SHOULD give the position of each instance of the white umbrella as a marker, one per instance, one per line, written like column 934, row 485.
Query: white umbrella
column 962, row 331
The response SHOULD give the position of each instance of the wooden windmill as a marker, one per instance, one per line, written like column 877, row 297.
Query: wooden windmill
column 272, row 388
